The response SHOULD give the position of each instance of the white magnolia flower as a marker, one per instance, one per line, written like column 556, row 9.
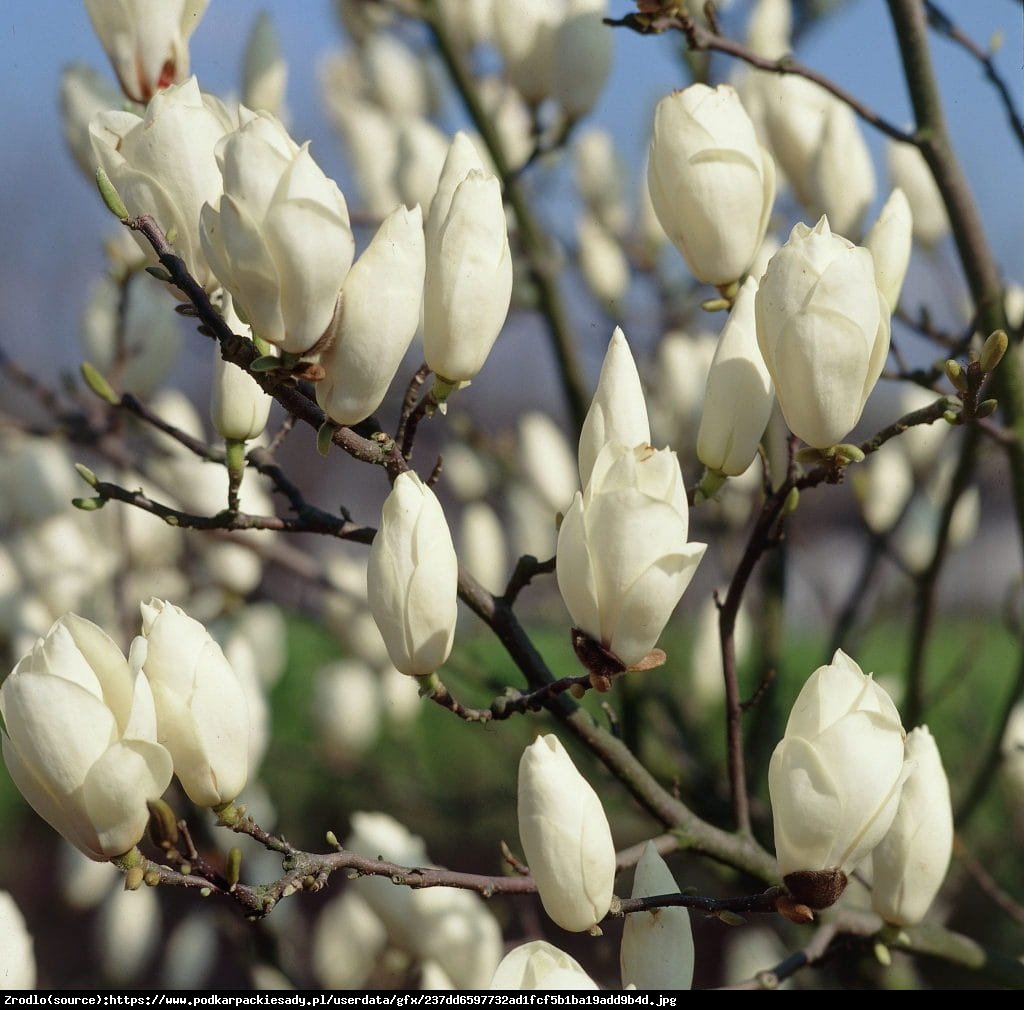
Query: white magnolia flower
column 147, row 43
column 835, row 779
column 823, row 329
column 910, row 863
column 711, row 182
column 623, row 560
column 279, row 238
column 412, row 578
column 565, row 837
column 202, row 713
column 80, row 738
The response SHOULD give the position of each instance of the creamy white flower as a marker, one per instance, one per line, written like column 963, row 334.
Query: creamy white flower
column 239, row 408
column 128, row 927
column 889, row 240
column 412, row 578
column 202, row 713
column 375, row 320
column 739, row 395
column 468, row 283
column 819, row 146
column 546, row 460
column 823, row 329
column 80, row 738
column 483, row 546
column 422, row 149
column 601, row 178
column 147, row 43
column 539, row 965
column 565, row 836
column 524, row 33
column 347, row 940
column 657, row 947
column 834, row 779
column 84, row 92
column 17, row 957
column 910, row 172
column 130, row 333
column 458, row 932
column 770, row 27
column 264, row 70
column 279, row 238
column 618, row 410
column 603, row 263
column 910, row 863
column 582, row 54
column 143, row 158
column 711, row 182
column 623, row 561
column 346, row 708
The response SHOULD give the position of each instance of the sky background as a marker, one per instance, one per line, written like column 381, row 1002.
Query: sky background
column 54, row 223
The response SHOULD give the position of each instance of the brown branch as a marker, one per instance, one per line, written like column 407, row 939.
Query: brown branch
column 764, row 901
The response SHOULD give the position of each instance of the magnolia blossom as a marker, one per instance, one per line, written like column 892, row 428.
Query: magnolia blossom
column 823, row 329
column 347, row 940
column 889, row 241
column 819, row 146
column 279, row 238
column 565, row 837
column 17, row 958
column 711, row 182
column 657, row 946
column 84, row 92
column 603, row 262
column 910, row 172
column 582, row 53
column 618, row 411
column 264, row 71
column 468, row 283
column 834, row 779
column 524, row 33
column 376, row 318
column 143, row 156
column 129, row 334
column 546, row 460
column 80, row 738
column 540, row 965
column 623, row 561
column 239, row 408
column 202, row 713
column 739, row 395
column 412, row 578
column 147, row 43
column 910, row 863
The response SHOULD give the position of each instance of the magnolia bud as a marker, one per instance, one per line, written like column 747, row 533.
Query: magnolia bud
column 376, row 318
column 657, row 946
column 143, row 158
column 582, row 52
column 711, row 182
column 279, row 238
column 623, row 561
column 910, row 863
column 264, row 71
column 539, row 965
column 823, row 329
column 468, row 283
column 889, row 242
column 202, row 714
column 17, row 958
column 834, row 779
column 910, row 172
column 239, row 408
column 147, row 44
column 618, row 411
column 80, row 738
column 412, row 578
column 603, row 263
column 739, row 396
column 565, row 837
column 524, row 33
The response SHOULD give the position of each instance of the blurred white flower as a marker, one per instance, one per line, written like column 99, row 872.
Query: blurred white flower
column 17, row 957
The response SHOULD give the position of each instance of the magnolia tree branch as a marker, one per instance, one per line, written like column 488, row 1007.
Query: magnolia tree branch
column 702, row 39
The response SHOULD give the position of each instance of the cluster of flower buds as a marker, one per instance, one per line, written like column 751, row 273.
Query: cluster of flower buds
column 846, row 783
column 90, row 736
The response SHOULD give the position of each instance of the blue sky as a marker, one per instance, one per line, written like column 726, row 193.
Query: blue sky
column 54, row 224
